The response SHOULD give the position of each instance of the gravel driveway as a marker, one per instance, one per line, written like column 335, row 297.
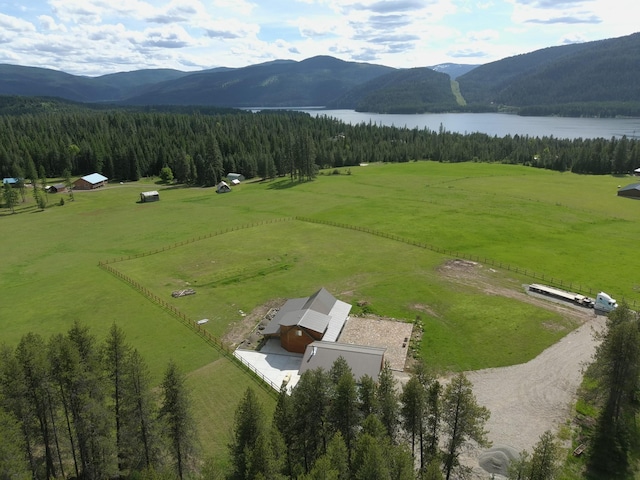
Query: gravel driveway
column 528, row 399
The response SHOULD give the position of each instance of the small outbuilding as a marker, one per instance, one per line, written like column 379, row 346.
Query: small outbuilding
column 235, row 176
column 90, row 182
column 636, row 172
column 57, row 188
column 630, row 191
column 223, row 187
column 151, row 196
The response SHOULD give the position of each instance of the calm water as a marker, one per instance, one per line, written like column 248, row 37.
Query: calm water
column 499, row 124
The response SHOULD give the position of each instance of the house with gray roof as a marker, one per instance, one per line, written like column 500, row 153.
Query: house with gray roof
column 301, row 321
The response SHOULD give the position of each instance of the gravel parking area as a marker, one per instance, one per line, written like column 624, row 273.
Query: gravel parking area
column 377, row 332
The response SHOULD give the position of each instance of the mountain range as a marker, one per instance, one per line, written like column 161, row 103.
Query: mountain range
column 586, row 78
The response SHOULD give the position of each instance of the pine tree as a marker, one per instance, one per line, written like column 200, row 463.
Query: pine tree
column 175, row 412
column 388, row 400
column 463, row 419
column 116, row 352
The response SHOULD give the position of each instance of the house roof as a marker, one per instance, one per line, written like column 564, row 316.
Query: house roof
column 151, row 193
column 321, row 312
column 363, row 360
column 94, row 178
column 10, row 180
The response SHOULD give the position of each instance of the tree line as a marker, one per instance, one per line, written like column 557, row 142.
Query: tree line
column 71, row 407
column 332, row 427
column 201, row 147
column 610, row 389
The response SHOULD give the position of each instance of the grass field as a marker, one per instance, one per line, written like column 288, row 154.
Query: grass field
column 564, row 226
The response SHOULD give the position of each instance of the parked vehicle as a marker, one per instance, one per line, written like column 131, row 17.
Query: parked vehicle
column 604, row 303
column 559, row 294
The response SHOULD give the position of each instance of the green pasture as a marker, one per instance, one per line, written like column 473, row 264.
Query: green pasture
column 241, row 249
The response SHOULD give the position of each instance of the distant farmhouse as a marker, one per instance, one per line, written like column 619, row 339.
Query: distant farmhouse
column 302, row 321
column 630, row 191
column 90, row 182
column 13, row 182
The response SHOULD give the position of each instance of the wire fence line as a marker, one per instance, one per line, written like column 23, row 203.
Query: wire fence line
column 195, row 239
column 195, row 327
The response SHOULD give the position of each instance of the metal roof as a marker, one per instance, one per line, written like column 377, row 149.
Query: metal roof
column 338, row 317
column 95, row 178
column 321, row 312
column 633, row 186
column 308, row 319
column 363, row 360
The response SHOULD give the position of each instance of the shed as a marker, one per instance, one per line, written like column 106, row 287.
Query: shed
column 302, row 321
column 235, row 181
column 630, row 191
column 363, row 360
column 90, row 182
column 223, row 187
column 150, row 196
column 57, row 188
column 235, row 176
column 636, row 172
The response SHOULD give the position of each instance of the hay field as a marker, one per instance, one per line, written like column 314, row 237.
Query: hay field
column 564, row 226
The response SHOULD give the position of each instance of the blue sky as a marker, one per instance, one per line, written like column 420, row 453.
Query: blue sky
column 96, row 37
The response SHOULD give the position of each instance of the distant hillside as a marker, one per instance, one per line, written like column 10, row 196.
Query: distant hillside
column 312, row 82
column 454, row 70
column 594, row 72
column 414, row 90
column 33, row 81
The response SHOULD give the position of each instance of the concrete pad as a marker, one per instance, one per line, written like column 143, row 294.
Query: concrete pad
column 273, row 364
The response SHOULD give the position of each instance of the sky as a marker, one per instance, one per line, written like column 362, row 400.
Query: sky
column 97, row 37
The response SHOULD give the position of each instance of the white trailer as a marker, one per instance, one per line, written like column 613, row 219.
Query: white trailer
column 559, row 294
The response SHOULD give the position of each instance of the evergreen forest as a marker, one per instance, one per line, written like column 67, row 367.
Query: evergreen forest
column 201, row 146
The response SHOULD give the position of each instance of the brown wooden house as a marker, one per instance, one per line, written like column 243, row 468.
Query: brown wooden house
column 302, row 321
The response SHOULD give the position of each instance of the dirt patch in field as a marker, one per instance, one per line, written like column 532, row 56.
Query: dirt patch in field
column 246, row 331
column 487, row 280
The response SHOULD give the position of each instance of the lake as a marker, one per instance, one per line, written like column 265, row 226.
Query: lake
column 500, row 124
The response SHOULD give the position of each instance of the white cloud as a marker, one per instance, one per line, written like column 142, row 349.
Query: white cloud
column 48, row 23
column 14, row 24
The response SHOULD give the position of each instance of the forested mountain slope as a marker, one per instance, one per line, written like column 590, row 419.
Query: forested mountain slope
column 33, row 81
column 593, row 72
column 414, row 90
column 312, row 82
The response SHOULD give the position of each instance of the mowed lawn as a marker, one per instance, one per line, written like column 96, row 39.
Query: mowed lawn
column 562, row 225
